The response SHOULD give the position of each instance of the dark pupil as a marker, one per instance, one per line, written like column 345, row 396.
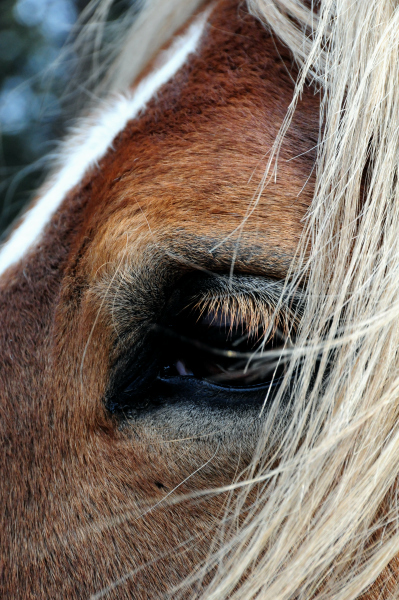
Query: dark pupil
column 213, row 347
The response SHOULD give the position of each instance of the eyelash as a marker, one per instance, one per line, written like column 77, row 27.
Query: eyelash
column 256, row 312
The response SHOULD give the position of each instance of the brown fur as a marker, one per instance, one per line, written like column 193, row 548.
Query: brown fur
column 77, row 489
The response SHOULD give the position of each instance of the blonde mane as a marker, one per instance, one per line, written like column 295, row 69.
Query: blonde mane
column 315, row 514
column 324, row 523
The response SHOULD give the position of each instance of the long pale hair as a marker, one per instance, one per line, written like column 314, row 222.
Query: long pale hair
column 324, row 522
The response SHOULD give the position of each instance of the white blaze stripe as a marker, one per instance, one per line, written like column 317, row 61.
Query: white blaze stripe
column 93, row 139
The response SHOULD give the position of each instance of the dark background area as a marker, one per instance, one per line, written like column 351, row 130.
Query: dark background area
column 32, row 80
column 38, row 62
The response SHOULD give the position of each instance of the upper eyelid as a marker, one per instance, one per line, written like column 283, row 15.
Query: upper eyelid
column 250, row 285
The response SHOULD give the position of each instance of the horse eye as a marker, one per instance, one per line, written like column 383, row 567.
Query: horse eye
column 205, row 340
column 222, row 348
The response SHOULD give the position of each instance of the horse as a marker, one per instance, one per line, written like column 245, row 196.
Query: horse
column 199, row 370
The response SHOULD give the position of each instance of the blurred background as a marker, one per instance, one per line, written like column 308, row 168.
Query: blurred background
column 37, row 63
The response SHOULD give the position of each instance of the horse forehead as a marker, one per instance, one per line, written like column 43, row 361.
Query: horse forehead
column 193, row 160
column 192, row 163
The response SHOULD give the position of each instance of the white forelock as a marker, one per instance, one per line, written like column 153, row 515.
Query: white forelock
column 93, row 138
